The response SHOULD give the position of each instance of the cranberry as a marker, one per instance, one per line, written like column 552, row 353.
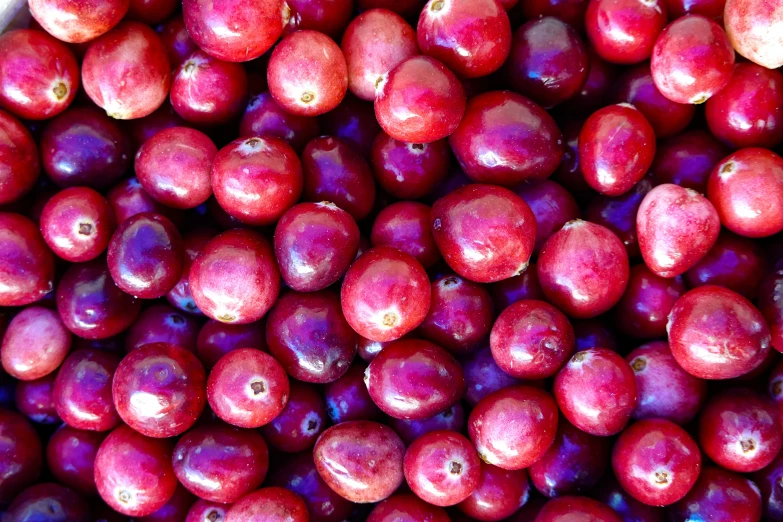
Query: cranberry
column 576, row 508
column 78, row 22
column 568, row 171
column 505, row 139
column 523, row 286
column 70, row 455
column 21, row 453
column 709, row 8
column 409, row 170
column 247, row 388
column 82, row 391
column 39, row 75
column 583, row 269
column 175, row 509
column 161, row 323
column 353, row 121
column 483, row 376
column 513, row 427
column 142, row 129
column 450, row 419
column 721, row 496
column 419, row 101
column 596, row 391
column 593, row 333
column 360, row 460
column 692, row 60
column 19, row 159
column 269, row 505
column 769, row 303
column 49, row 501
column 769, row 482
column 133, row 473
column 571, row 12
column 216, row 339
column 129, row 198
column 734, row 262
column 34, row 344
column 596, row 88
column 34, row 399
column 413, row 379
column 715, row 333
column 405, row 225
column 204, row 511
column 327, row 16
column 404, row 507
column 264, row 118
column 643, row 311
column 629, row 509
column 499, row 494
column 347, row 398
column 485, row 233
column 151, row 11
column 335, row 173
column 687, row 160
column 624, row 31
column 552, row 205
column 176, row 40
column 754, row 31
column 180, row 296
column 126, row 71
column 26, row 264
column 235, row 255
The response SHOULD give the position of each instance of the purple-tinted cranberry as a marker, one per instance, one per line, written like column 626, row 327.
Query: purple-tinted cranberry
column 596, row 89
column 687, row 159
column 35, row 344
column 368, row 349
column 19, row 162
column 483, row 376
column 568, row 171
column 300, row 423
column 644, row 309
column 523, row 286
column 571, row 12
column 754, row 30
column 770, row 482
column 734, row 262
column 21, row 456
column 70, row 455
column 48, row 502
column 353, row 121
column 360, row 460
column 264, row 118
column 618, row 214
column 142, row 129
column 419, row 101
column 204, row 511
column 719, row 496
column 409, row 170
column 35, row 400
column 576, row 508
column 247, row 388
column 451, row 419
column 593, row 333
column 215, row 339
column 347, row 398
column 513, row 427
column 552, row 205
column 499, row 494
column 405, row 507
column 596, row 391
column 327, row 16
column 770, row 303
column 78, row 22
column 128, row 198
column 630, row 510
column 26, row 264
column 692, row 60
column 715, row 333
column 180, row 296
column 151, row 11
column 709, row 8
column 624, row 31
column 405, row 225
column 269, row 505
column 175, row 509
column 656, row 461
column 163, row 324
column 505, row 139
column 82, row 390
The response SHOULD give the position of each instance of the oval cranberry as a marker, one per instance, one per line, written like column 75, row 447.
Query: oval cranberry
column 26, row 264
column 19, row 162
column 754, row 31
column 269, row 505
column 624, row 31
column 22, row 456
column 83, row 390
column 720, row 496
column 34, row 344
column 70, row 455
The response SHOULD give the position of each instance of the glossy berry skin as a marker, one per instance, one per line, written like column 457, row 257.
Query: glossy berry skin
column 353, row 121
column 49, row 501
column 385, row 294
column 409, row 507
column 300, row 423
column 692, row 60
column 19, row 161
column 83, row 390
column 563, row 509
column 768, row 481
column 216, row 339
column 327, row 16
column 26, row 264
column 499, row 494
column 552, row 205
column 39, row 75
column 78, row 22
column 34, row 344
column 747, row 191
column 235, row 255
column 256, row 179
column 126, row 71
column 715, row 333
column 687, row 159
column 513, row 427
column 740, row 430
column 472, row 39
column 409, row 170
column 204, row 511
column 548, row 61
column 734, row 262
column 676, row 228
column 429, row 96
column 450, row 419
column 152, row 482
column 517, row 288
column 709, row 8
column 21, row 453
column 362, row 461
column 269, row 505
column 624, row 31
column 483, row 376
column 593, row 333
column 644, row 309
column 414, row 379
column 255, row 27
column 531, row 340
column 618, row 214
column 220, row 463
column 583, row 269
column 263, row 117
column 405, row 225
column 247, row 388
column 505, row 139
column 307, row 73
column 613, row 495
column 70, row 456
column 747, row 112
column 596, row 380
column 442, row 468
column 656, row 461
column 721, row 496
column 146, row 256
column 754, row 31
column 35, row 401
column 769, row 304
column 616, row 147
column 347, row 398
column 485, row 233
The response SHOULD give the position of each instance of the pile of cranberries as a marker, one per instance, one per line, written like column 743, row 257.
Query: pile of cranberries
column 392, row 261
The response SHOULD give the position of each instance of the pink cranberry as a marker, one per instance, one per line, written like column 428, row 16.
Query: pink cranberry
column 754, row 29
column 499, row 494
column 485, row 233
column 687, row 159
column 257, row 179
column 247, row 388
column 39, row 75
column 740, row 430
column 419, row 101
column 656, row 461
column 70, row 455
column 405, row 225
column 78, row 22
column 450, row 419
column 747, row 191
column 347, row 398
column 505, row 139
column 413, row 379
column 624, row 31
column 483, row 376
column 353, row 121
column 269, row 505
column 408, row 506
column 26, row 264
column 409, row 170
column 385, row 294
column 22, row 457
column 126, row 71
column 644, row 309
column 254, row 26
column 552, row 205
column 734, row 262
column 715, row 333
column 721, row 496
column 596, row 391
column 692, row 60
column 215, row 339
column 35, row 344
column 583, row 269
column 236, row 255
column 82, row 391
column 513, row 427
column 34, row 399
column 49, row 501
column 264, row 118
column 19, row 157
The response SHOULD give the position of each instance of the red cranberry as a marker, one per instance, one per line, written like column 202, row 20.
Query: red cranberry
column 39, row 75
column 215, row 339
column 624, row 31
column 360, row 460
column 747, row 191
column 353, row 121
column 505, row 139
column 327, row 16
column 676, row 228
column 269, row 505
column 22, row 457
column 419, row 101
column 409, row 170
column 264, row 118
column 629, row 509
column 347, row 398
column 485, row 233
column 596, row 89
column 571, row 12
column 734, row 262
column 405, row 225
column 236, row 255
column 499, row 494
column 404, row 507
column 70, row 455
column 175, row 509
column 142, row 129
column 34, row 344
column 151, row 11
column 520, row 287
column 126, row 71
column 770, row 302
column 413, row 379
column 569, row 173
column 247, row 388
column 257, row 179
column 687, row 160
column 656, row 461
column 576, row 508
column 483, row 376
column 692, row 60
column 720, row 496
column 754, row 31
column 336, row 173
column 450, row 419
column 552, row 205
column 19, row 157
column 596, row 391
column 78, row 22
column 513, row 427
column 715, row 333
column 82, row 391
column 583, row 269
column 49, row 502
column 769, row 481
column 204, row 511
column 34, row 399
column 254, row 26
column 129, row 198
column 161, row 323
column 644, row 309
column 709, row 8
column 26, row 264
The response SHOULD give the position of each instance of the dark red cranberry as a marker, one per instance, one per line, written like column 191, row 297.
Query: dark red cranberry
column 629, row 509
column 297, row 427
column 405, row 225
column 175, row 509
column 129, row 198
column 709, row 8
column 409, row 170
column 78, row 22
column 35, row 400
column 264, row 118
column 552, row 205
column 347, row 398
column 734, row 262
column 568, row 172
column 409, row 507
column 571, row 12
column 215, row 339
column 573, row 507
column 483, row 376
column 70, row 455
column 618, row 214
column 687, row 159
column 180, row 296
column 22, row 456
column 35, row 343
column 754, row 30
column 327, row 16
column 142, row 129
column 49, row 502
column 769, row 481
column 82, row 391
column 26, row 264
column 624, row 31
column 596, row 89
column 353, row 121
column 204, row 511
column 644, row 309
column 19, row 158
column 719, row 496
column 593, row 333
column 499, row 494
column 770, row 303
column 523, row 286
column 151, row 11
column 451, row 419
column 269, row 505
column 161, row 323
